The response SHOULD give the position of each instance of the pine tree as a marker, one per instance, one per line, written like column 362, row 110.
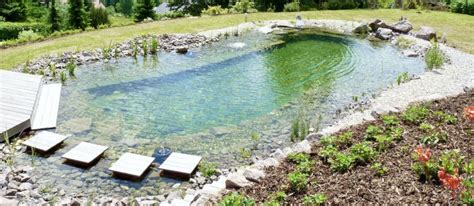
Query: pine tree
column 77, row 14
column 126, row 7
column 53, row 17
column 98, row 16
column 14, row 10
column 144, row 9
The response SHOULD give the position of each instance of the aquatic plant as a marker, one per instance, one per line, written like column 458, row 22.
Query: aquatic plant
column 145, row 48
column 106, row 51
column 207, row 169
column 434, row 58
column 154, row 46
column 52, row 69
column 245, row 153
column 63, row 77
column 134, row 50
column 10, row 157
column 299, row 129
column 402, row 78
column 71, row 68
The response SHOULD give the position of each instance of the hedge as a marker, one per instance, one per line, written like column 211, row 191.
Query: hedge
column 10, row 30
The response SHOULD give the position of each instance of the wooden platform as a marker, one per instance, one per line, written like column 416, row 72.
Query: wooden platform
column 183, row 164
column 85, row 153
column 132, row 165
column 18, row 94
column 44, row 141
column 45, row 114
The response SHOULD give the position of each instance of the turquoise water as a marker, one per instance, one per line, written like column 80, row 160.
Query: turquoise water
column 208, row 101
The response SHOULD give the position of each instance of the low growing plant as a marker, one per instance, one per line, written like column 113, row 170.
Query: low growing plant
column 467, row 195
column 424, row 167
column 313, row 200
column 379, row 169
column 415, row 114
column 328, row 152
column 402, row 78
column 327, row 140
column 245, row 153
column 372, row 131
column 451, row 160
column 341, row 162
column 305, row 167
column 396, row 133
column 236, row 199
column 426, row 127
column 298, row 181
column 469, row 167
column 363, row 153
column 404, row 43
column 445, row 118
column 390, row 120
column 434, row 138
column 298, row 157
column 344, row 138
column 383, row 142
column 450, row 181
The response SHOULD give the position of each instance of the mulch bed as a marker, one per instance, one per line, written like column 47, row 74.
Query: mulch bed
column 361, row 185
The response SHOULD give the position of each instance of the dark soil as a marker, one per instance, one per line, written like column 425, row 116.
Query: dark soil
column 399, row 185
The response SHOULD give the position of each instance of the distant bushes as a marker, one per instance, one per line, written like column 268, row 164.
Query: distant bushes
column 9, row 30
column 292, row 7
column 463, row 6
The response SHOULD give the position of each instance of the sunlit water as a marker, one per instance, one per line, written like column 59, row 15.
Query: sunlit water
column 210, row 100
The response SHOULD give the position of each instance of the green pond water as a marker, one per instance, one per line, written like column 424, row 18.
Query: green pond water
column 210, row 100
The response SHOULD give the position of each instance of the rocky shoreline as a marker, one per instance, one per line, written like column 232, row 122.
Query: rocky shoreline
column 20, row 184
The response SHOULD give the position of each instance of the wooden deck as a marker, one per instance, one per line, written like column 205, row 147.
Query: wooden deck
column 85, row 153
column 45, row 114
column 44, row 141
column 18, row 94
column 132, row 165
column 183, row 164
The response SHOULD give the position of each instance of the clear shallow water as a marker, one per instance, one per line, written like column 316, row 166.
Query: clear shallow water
column 208, row 101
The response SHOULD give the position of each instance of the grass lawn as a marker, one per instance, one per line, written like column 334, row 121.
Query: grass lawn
column 458, row 28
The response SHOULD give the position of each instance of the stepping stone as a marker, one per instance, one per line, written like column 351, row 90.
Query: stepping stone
column 45, row 114
column 182, row 164
column 44, row 141
column 132, row 165
column 85, row 153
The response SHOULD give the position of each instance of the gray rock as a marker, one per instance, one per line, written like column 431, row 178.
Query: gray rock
column 10, row 192
column 278, row 155
column 8, row 202
column 402, row 26
column 236, row 181
column 410, row 53
column 426, row 33
column 383, row 33
column 303, row 146
column 12, row 185
column 148, row 203
column 25, row 186
column 254, row 175
column 376, row 24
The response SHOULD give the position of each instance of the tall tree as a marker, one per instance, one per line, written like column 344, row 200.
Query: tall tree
column 144, row 9
column 126, row 7
column 53, row 17
column 13, row 10
column 77, row 14
column 98, row 16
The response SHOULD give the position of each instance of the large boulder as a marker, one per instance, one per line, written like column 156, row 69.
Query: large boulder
column 375, row 25
column 426, row 33
column 402, row 26
column 254, row 175
column 236, row 181
column 383, row 33
column 361, row 29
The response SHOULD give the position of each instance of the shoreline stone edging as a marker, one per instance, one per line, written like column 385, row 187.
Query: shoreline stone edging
column 449, row 81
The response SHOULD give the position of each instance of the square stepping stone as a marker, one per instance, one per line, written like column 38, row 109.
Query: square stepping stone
column 44, row 141
column 180, row 163
column 132, row 165
column 85, row 153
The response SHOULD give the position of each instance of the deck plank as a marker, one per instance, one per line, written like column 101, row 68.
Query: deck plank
column 181, row 163
column 85, row 152
column 132, row 164
column 44, row 141
column 46, row 112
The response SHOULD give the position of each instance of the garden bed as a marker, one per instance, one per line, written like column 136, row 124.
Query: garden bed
column 387, row 175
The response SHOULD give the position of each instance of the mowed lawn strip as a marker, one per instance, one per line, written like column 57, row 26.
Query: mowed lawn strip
column 457, row 27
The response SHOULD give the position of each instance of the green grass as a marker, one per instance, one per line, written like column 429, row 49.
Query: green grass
column 458, row 28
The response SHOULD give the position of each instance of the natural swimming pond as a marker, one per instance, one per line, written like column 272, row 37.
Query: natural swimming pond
column 209, row 101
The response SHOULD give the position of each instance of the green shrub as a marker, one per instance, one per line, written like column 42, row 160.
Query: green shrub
column 171, row 15
column 396, row 133
column 207, row 169
column 451, row 160
column 344, row 138
column 379, row 169
column 463, row 6
column 467, row 195
column 363, row 153
column 328, row 152
column 143, row 10
column 372, row 131
column 341, row 162
column 236, row 199
column 429, row 173
column 244, row 6
column 415, row 114
column 434, row 58
column 98, row 16
column 298, row 157
column 426, row 127
column 9, row 30
column 298, row 181
column 327, row 140
column 292, row 6
column 390, row 120
column 316, row 199
column 214, row 11
column 383, row 142
column 28, row 35
column 434, row 138
column 305, row 167
column 469, row 167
